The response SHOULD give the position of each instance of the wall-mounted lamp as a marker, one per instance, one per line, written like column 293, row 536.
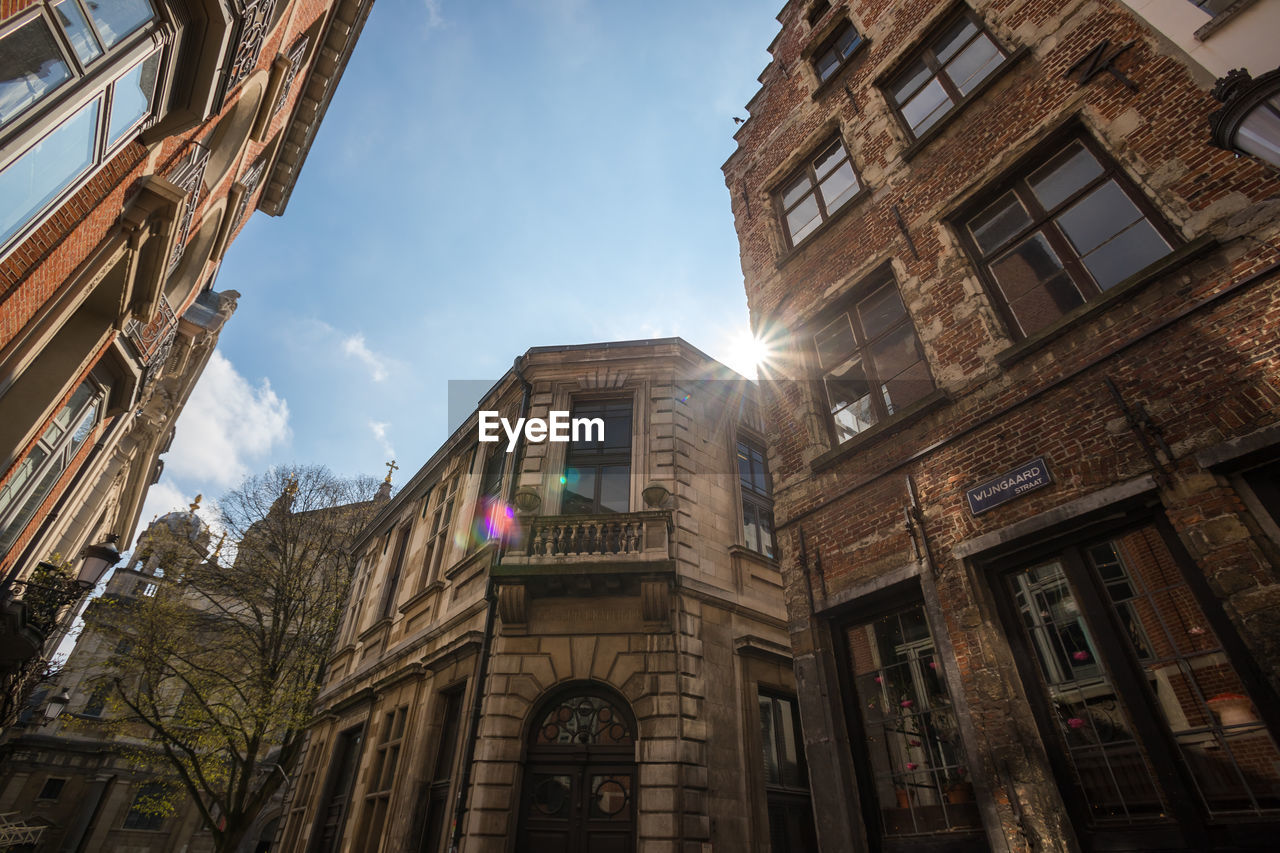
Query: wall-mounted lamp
column 1249, row 121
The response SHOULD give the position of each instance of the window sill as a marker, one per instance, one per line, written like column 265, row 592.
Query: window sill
column 934, row 132
column 434, row 586
column 1189, row 252
column 754, row 556
column 382, row 624
column 928, row 403
column 856, row 201
column 1217, row 21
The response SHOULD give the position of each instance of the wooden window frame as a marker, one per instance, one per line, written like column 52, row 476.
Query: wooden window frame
column 828, row 44
column 1015, row 180
column 807, row 169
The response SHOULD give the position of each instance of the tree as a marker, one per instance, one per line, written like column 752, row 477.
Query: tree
column 214, row 675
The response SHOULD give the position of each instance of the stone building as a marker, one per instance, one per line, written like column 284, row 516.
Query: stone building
column 582, row 644
column 1023, row 423
column 76, row 776
column 136, row 138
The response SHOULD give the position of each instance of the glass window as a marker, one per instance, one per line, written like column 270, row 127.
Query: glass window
column 836, row 51
column 438, row 541
column 382, row 775
column 437, row 804
column 131, row 98
column 142, row 813
column 1064, row 233
column 915, row 757
column 597, row 476
column 78, row 31
column 816, row 191
column 946, row 70
column 47, row 168
column 757, row 498
column 786, row 778
column 871, row 362
column 119, row 18
column 1128, row 665
column 52, row 789
column 31, row 66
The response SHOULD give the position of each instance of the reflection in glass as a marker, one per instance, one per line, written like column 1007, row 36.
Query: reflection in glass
column 47, row 168
column 131, row 98
column 116, row 19
column 30, row 68
column 77, row 29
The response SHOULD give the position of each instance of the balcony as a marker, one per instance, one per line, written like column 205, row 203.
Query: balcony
column 610, row 554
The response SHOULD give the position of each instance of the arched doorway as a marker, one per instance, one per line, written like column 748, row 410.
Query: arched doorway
column 579, row 793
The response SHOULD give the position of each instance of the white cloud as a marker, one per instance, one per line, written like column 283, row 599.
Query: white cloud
column 379, row 430
column 227, row 424
column 434, row 18
column 355, row 347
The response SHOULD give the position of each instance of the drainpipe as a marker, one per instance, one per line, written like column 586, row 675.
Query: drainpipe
column 486, row 641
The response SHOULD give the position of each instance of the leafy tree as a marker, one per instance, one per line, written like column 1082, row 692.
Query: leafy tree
column 215, row 674
column 47, row 594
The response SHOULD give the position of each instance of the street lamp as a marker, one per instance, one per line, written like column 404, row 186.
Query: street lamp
column 1249, row 121
column 56, row 706
column 96, row 560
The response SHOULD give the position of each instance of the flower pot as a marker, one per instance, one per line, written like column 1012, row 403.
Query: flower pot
column 960, row 792
column 904, row 798
column 1233, row 709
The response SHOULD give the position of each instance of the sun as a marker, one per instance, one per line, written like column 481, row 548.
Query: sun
column 746, row 353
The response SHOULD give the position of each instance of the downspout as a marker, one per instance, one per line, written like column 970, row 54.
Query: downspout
column 486, row 641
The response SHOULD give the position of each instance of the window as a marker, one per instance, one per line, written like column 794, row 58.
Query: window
column 1135, row 691
column 52, row 789
column 97, row 701
column 757, row 498
column 818, row 11
column 343, row 764
column 815, row 191
column 786, row 779
column 948, row 68
column 438, row 786
column 382, row 776
column 55, row 48
column 1214, row 7
column 438, row 540
column 835, row 51
column 397, row 565
column 492, row 515
column 597, row 474
column 871, row 361
column 915, row 760
column 143, row 813
column 36, row 474
column 150, row 590
column 1063, row 232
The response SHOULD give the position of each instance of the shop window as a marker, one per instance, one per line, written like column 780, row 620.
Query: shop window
column 943, row 73
column 1137, row 692
column 786, row 778
column 40, row 469
column 382, row 776
column 915, row 760
column 757, row 498
column 816, row 191
column 871, row 361
column 597, row 475
column 1064, row 231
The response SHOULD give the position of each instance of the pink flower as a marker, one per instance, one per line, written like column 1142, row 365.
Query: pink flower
column 879, row 680
column 906, row 703
column 1079, row 655
column 911, row 765
column 1075, row 723
column 933, row 664
column 913, row 742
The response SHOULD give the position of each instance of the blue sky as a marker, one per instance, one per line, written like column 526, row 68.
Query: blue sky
column 489, row 177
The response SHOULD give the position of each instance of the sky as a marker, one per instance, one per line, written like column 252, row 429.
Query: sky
column 489, row 177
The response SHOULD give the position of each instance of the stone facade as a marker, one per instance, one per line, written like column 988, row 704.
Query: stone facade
column 195, row 114
column 652, row 622
column 1054, row 670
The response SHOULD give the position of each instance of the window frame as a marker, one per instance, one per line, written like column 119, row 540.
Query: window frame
column 1016, row 180
column 829, row 43
column 847, row 306
column 807, row 169
column 598, row 461
column 760, row 503
column 443, row 513
column 924, row 51
column 43, row 117
column 383, row 767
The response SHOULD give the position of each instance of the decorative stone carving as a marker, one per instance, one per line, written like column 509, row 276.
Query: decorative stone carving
column 512, row 604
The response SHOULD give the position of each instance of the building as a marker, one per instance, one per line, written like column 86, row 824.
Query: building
column 577, row 643
column 77, row 777
column 1023, row 424
column 136, row 137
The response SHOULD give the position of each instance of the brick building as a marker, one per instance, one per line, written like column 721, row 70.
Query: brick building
column 614, row 606
column 1024, row 424
column 136, row 137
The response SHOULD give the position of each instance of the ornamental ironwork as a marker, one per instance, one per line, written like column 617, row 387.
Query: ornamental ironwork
column 154, row 339
column 255, row 21
column 188, row 175
column 584, row 720
column 296, row 54
column 249, row 182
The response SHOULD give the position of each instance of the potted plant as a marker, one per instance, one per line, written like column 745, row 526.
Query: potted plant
column 1233, row 709
column 957, row 785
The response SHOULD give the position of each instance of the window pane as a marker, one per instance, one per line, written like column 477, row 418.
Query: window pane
column 768, row 742
column 615, row 488
column 895, row 352
column 131, row 98
column 77, row 30
column 802, row 220
column 118, row 18
column 766, row 534
column 797, row 190
column 46, row 169
column 910, row 80
column 579, row 491
column 880, row 310
column 750, row 527
column 1098, row 217
column 922, row 111
column 828, row 160
column 840, row 187
column 835, row 342
column 827, row 63
column 1129, row 252
column 996, row 225
column 953, row 39
column 1064, row 175
column 30, row 67
column 1034, row 284
column 974, row 64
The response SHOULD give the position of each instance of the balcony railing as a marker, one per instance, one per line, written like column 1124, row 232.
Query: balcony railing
column 623, row 537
